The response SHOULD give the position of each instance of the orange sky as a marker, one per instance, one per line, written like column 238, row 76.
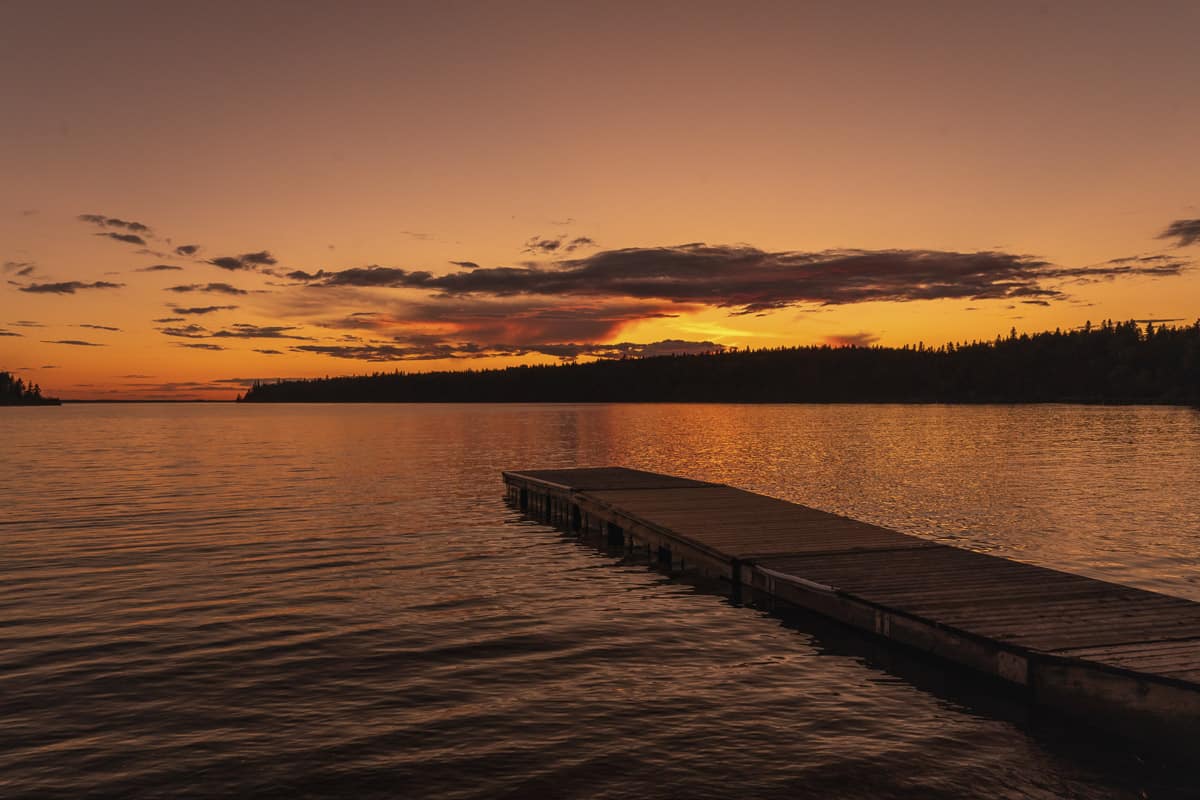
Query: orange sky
column 856, row 172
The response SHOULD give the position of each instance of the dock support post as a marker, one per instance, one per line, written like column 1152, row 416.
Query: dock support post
column 615, row 534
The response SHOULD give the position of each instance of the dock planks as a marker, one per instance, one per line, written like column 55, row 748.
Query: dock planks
column 1125, row 657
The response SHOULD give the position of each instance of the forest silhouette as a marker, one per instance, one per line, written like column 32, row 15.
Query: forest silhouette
column 15, row 392
column 1123, row 362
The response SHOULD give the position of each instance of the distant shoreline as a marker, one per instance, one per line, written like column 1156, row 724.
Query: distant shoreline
column 1111, row 364
column 1067, row 402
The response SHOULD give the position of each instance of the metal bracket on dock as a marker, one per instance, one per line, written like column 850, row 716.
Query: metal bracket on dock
column 807, row 584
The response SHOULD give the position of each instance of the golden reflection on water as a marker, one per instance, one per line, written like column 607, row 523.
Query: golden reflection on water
column 334, row 600
column 1104, row 491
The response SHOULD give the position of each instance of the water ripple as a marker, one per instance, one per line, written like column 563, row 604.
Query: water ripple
column 315, row 601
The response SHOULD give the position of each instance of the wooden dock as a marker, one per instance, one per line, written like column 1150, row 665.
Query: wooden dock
column 1123, row 658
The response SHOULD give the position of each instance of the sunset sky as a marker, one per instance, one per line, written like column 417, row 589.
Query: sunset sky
column 194, row 196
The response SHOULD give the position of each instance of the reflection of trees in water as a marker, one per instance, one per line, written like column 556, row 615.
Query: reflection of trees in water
column 1110, row 363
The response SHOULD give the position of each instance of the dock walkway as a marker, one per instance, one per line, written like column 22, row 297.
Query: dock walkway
column 1125, row 658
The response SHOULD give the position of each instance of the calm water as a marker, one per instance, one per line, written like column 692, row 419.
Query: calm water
column 213, row 600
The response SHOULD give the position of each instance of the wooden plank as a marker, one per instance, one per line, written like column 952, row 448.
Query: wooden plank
column 743, row 524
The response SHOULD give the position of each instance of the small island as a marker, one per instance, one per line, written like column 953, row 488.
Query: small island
column 14, row 392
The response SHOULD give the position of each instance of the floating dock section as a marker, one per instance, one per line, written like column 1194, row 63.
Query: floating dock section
column 1124, row 658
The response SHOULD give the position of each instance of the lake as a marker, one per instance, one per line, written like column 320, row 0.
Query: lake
column 334, row 600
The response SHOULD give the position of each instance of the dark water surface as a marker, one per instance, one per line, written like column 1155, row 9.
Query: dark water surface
column 219, row 600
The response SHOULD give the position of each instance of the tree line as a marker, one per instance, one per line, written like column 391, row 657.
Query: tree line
column 15, row 392
column 1113, row 362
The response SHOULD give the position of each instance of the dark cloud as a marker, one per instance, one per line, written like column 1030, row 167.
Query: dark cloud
column 228, row 262
column 75, row 342
column 748, row 280
column 192, row 331
column 159, row 268
column 220, row 288
column 168, row 319
column 9, row 333
column 201, row 309
column 26, row 271
column 439, row 350
column 98, row 327
column 245, row 381
column 1185, row 231
column 199, row 345
column 374, row 275
column 558, row 244
column 1158, row 321
column 1035, row 302
column 245, row 331
column 127, row 238
column 262, row 258
column 269, row 352
column 68, row 287
column 187, row 249
column 860, row 339
column 114, row 222
column 22, row 268
column 27, row 323
column 465, row 264
column 666, row 347
column 518, row 321
column 236, row 331
column 542, row 246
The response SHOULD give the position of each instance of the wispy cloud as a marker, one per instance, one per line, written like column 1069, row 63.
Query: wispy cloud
column 245, row 261
column 127, row 238
column 68, row 287
column 201, row 309
column 860, row 339
column 557, row 244
column 103, row 221
column 98, row 327
column 159, row 268
column 4, row 332
column 20, row 268
column 246, row 331
column 75, row 342
column 187, row 249
column 1185, row 232
column 219, row 288
column 192, row 331
column 199, row 345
